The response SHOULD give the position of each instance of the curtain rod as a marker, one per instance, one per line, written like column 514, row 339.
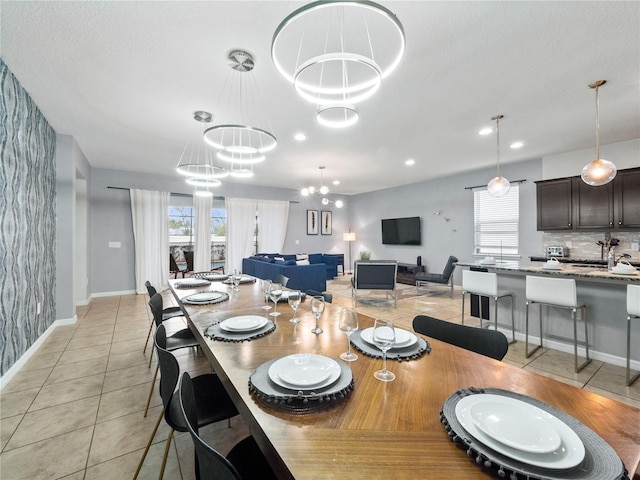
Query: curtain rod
column 186, row 194
column 483, row 186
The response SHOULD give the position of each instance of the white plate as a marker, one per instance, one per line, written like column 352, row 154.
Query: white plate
column 243, row 279
column 404, row 338
column 522, row 426
column 203, row 297
column 243, row 323
column 192, row 282
column 304, row 370
column 568, row 455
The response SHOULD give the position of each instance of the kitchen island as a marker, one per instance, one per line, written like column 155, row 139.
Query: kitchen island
column 602, row 291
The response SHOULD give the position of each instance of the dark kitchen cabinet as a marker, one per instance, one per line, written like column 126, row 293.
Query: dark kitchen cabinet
column 554, row 204
column 627, row 188
column 570, row 204
column 592, row 206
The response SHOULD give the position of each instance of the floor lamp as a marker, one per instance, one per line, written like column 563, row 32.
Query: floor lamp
column 349, row 237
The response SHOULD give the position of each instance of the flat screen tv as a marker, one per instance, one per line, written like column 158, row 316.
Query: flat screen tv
column 401, row 231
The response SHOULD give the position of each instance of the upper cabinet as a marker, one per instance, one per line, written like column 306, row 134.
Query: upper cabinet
column 571, row 204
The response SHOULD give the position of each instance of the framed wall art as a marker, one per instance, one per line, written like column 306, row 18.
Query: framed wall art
column 325, row 223
column 312, row 222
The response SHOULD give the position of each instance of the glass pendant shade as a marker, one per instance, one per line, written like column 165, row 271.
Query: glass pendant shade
column 599, row 171
column 498, row 187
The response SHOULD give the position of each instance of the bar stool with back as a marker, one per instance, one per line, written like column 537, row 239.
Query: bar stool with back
column 485, row 283
column 561, row 293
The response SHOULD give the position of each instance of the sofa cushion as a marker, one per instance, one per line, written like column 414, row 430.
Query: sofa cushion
column 302, row 262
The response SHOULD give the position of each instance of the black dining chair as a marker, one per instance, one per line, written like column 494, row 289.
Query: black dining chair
column 183, row 338
column 282, row 280
column 245, row 461
column 167, row 313
column 491, row 343
column 173, row 267
column 314, row 293
column 212, row 403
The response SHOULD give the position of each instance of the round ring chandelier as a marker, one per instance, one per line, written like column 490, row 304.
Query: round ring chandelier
column 336, row 54
column 197, row 162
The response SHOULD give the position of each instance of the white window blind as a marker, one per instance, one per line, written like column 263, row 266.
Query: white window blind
column 496, row 222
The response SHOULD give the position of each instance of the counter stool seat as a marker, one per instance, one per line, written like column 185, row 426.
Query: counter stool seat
column 486, row 284
column 633, row 311
column 561, row 293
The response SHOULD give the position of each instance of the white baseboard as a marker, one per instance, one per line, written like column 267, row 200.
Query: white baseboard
column 568, row 348
column 113, row 294
column 15, row 368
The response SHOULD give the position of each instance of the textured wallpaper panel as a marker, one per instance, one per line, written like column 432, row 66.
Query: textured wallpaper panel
column 27, row 221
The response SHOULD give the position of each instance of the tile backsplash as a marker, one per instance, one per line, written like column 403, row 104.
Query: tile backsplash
column 583, row 245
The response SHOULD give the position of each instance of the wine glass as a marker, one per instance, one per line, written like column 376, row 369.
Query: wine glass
column 348, row 324
column 294, row 299
column 266, row 288
column 235, row 279
column 275, row 294
column 384, row 336
column 317, row 307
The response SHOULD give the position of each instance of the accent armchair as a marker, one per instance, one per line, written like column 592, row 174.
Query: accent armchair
column 374, row 275
column 444, row 278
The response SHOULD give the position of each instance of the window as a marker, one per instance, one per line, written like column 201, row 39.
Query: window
column 496, row 222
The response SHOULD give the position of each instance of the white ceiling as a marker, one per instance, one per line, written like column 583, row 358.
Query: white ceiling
column 124, row 79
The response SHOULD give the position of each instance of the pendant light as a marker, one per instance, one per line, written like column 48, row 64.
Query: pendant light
column 499, row 186
column 599, row 171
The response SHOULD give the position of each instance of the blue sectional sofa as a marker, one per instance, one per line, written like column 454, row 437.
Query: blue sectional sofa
column 301, row 277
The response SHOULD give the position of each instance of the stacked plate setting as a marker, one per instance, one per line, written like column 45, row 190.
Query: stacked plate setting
column 520, row 431
column 304, row 371
column 243, row 324
column 192, row 282
column 203, row 298
column 404, row 338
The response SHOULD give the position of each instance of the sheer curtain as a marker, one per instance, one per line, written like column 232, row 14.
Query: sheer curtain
column 241, row 219
column 150, row 215
column 202, row 248
column 273, row 216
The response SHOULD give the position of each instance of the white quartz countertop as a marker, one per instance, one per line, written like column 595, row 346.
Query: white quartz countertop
column 595, row 272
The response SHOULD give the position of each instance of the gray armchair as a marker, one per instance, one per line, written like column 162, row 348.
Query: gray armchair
column 444, row 278
column 374, row 275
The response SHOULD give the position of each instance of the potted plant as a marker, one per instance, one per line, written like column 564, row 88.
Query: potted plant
column 365, row 255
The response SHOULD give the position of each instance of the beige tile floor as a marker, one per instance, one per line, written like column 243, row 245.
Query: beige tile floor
column 75, row 410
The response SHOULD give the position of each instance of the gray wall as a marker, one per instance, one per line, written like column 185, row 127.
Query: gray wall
column 112, row 269
column 441, row 238
column 27, row 221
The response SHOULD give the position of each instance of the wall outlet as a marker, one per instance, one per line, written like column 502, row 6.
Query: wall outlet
column 634, row 246
column 297, row 242
column 115, row 244
column 38, row 308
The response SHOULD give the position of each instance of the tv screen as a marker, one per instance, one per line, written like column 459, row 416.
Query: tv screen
column 401, row 231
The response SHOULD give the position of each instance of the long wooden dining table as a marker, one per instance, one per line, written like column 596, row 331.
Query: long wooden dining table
column 380, row 430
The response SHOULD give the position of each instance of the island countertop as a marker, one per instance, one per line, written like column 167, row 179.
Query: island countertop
column 578, row 271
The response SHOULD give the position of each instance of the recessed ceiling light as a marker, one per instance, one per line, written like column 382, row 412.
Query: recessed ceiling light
column 485, row 131
column 336, row 182
column 300, row 137
column 410, row 162
column 515, row 145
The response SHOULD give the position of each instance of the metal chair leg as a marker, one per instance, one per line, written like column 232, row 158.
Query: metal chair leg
column 148, row 336
column 630, row 379
column 463, row 295
column 583, row 314
column 146, row 450
column 153, row 384
column 528, row 353
column 166, row 454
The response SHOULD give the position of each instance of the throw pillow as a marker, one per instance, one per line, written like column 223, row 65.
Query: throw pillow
column 302, row 256
column 302, row 262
